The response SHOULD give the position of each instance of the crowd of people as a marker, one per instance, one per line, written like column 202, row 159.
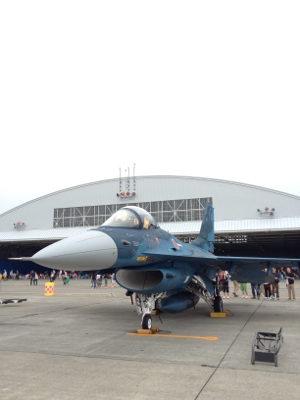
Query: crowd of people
column 268, row 290
column 97, row 280
column 64, row 276
column 33, row 276
column 11, row 275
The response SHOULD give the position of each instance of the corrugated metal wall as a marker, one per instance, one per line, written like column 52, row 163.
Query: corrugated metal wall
column 232, row 201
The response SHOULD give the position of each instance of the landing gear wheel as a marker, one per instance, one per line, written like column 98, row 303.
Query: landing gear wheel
column 147, row 322
column 218, row 304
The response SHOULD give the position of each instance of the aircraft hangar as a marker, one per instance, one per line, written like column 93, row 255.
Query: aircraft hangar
column 249, row 220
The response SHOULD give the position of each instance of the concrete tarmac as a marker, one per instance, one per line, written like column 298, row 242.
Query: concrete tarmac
column 74, row 345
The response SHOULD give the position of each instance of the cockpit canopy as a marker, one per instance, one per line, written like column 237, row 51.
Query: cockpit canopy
column 131, row 217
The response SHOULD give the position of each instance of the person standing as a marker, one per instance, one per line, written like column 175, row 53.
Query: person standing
column 291, row 283
column 236, row 287
column 255, row 288
column 5, row 275
column 99, row 281
column 112, row 281
column 225, row 283
column 93, row 280
column 281, row 274
column 276, row 284
column 32, row 275
column 64, row 277
column 244, row 290
column 262, row 290
column 267, row 287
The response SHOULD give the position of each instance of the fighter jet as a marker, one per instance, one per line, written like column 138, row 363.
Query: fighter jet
column 163, row 272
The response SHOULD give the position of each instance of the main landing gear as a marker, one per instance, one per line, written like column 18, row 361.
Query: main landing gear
column 218, row 304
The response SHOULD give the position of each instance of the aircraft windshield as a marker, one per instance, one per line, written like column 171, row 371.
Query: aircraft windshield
column 148, row 222
column 123, row 219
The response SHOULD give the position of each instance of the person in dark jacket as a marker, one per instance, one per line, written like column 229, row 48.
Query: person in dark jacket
column 276, row 284
column 225, row 283
column 93, row 280
column 290, row 285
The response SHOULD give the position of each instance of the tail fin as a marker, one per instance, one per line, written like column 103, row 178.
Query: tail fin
column 206, row 236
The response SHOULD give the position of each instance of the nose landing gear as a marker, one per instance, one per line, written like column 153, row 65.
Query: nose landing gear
column 147, row 322
column 145, row 304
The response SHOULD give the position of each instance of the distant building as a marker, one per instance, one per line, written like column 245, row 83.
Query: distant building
column 249, row 220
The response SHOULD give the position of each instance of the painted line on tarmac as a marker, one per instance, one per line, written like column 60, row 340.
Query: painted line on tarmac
column 175, row 336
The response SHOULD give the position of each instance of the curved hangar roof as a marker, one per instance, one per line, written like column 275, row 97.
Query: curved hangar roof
column 177, row 203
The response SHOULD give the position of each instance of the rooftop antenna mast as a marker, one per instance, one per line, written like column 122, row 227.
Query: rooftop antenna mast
column 127, row 193
column 134, row 178
column 128, row 180
column 120, row 181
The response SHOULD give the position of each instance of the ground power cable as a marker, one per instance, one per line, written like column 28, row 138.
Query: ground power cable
column 222, row 359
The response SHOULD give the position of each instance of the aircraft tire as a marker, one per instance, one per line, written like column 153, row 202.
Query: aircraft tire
column 147, row 322
column 218, row 304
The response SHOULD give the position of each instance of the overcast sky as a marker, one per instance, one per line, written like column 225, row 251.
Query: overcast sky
column 209, row 89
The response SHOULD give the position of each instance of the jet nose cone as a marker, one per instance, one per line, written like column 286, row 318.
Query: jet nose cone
column 90, row 250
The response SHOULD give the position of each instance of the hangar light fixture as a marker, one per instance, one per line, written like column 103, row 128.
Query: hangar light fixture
column 266, row 211
column 19, row 225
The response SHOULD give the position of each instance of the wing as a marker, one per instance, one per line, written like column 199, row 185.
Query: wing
column 243, row 269
column 223, row 262
column 256, row 263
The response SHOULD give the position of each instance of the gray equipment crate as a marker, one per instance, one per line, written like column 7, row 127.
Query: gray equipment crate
column 266, row 346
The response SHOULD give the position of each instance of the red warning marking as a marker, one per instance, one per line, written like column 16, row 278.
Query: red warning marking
column 175, row 244
column 157, row 240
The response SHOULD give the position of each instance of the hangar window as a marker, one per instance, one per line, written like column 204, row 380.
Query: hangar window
column 180, row 204
column 89, row 221
column 78, row 211
column 162, row 211
column 100, row 210
column 60, row 212
column 145, row 206
column 90, row 211
column 181, row 216
column 168, row 205
column 155, row 206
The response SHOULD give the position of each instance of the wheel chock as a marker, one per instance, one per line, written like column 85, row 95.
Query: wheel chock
column 218, row 314
column 227, row 312
column 144, row 332
column 153, row 312
column 147, row 331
